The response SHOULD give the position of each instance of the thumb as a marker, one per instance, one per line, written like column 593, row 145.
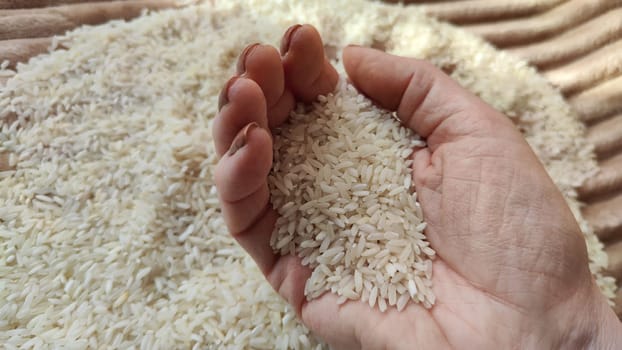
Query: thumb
column 426, row 99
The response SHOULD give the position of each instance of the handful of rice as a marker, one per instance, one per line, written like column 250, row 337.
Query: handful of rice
column 341, row 182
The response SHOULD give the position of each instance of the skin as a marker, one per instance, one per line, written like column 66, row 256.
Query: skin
column 512, row 268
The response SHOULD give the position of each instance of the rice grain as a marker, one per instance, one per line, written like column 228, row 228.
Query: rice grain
column 116, row 129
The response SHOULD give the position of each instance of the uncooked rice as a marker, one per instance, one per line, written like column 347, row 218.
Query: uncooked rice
column 341, row 183
column 110, row 229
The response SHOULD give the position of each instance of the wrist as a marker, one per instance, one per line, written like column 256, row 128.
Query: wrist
column 607, row 333
column 591, row 323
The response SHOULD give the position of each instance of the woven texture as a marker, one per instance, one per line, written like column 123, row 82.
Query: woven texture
column 576, row 44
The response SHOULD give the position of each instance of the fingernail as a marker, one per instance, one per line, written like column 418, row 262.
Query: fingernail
column 223, row 98
column 241, row 65
column 240, row 139
column 287, row 38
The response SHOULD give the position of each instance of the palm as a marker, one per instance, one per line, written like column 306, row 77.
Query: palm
column 462, row 316
column 491, row 230
column 480, row 289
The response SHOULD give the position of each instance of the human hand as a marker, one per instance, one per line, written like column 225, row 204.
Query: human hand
column 512, row 268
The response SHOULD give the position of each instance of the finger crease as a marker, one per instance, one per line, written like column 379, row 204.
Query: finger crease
column 253, row 222
column 410, row 116
column 252, row 192
column 278, row 100
column 276, row 276
column 318, row 78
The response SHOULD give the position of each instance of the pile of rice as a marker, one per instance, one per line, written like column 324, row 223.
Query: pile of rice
column 341, row 182
column 110, row 230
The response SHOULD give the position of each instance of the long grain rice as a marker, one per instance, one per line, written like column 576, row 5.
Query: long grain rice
column 115, row 129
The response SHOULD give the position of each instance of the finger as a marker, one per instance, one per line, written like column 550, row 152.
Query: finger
column 426, row 99
column 241, row 102
column 241, row 181
column 424, row 175
column 256, row 242
column 307, row 70
column 249, row 216
column 262, row 64
column 242, row 214
column 241, row 174
column 243, row 170
column 279, row 112
column 284, row 273
column 288, row 277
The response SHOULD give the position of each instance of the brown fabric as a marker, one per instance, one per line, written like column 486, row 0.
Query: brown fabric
column 35, row 23
column 589, row 70
column 541, row 26
column 599, row 101
column 615, row 259
column 576, row 41
column 606, row 137
column 605, row 216
column 618, row 303
column 481, row 10
column 22, row 4
column 609, row 179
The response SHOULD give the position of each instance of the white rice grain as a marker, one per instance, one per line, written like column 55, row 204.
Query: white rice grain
column 116, row 130
column 334, row 130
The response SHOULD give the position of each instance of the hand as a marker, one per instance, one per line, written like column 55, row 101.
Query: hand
column 512, row 269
